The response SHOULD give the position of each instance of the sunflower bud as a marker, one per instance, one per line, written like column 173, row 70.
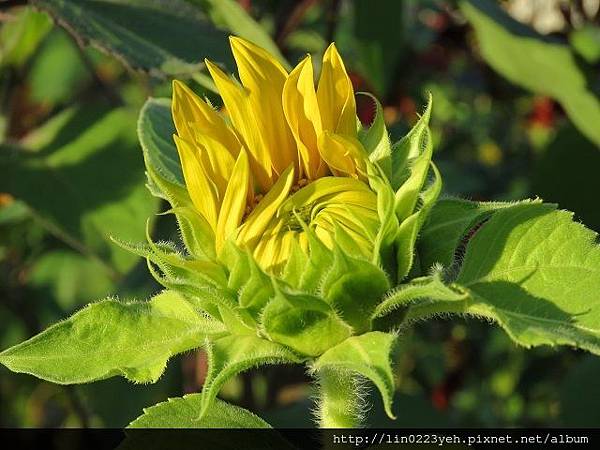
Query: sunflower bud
column 301, row 220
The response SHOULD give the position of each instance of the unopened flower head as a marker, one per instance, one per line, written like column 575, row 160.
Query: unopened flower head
column 283, row 156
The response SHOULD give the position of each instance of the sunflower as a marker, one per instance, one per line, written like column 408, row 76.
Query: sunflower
column 281, row 159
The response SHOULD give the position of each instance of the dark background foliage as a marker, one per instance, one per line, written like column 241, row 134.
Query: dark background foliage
column 516, row 114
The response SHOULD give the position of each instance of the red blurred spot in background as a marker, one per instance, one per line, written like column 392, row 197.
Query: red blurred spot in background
column 543, row 112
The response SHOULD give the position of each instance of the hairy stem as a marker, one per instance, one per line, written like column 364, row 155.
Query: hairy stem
column 339, row 402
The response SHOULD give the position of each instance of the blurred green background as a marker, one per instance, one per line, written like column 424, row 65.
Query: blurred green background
column 516, row 114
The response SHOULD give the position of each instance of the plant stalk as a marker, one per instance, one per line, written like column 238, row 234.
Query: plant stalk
column 339, row 402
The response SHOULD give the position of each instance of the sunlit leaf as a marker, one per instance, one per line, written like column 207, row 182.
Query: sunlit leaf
column 162, row 37
column 84, row 181
column 111, row 338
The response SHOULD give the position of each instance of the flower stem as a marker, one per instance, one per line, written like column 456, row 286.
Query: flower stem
column 340, row 403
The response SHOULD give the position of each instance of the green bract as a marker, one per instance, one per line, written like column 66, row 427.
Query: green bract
column 527, row 266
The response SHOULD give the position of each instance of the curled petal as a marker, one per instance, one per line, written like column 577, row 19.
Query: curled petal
column 302, row 113
column 201, row 189
column 336, row 95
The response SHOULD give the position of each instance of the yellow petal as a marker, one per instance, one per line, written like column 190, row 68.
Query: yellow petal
column 302, row 113
column 234, row 201
column 193, row 117
column 264, row 77
column 259, row 219
column 336, row 95
column 218, row 163
column 345, row 155
column 201, row 190
column 323, row 189
column 246, row 123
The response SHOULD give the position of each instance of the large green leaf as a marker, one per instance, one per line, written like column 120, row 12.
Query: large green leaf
column 448, row 222
column 183, row 413
column 534, row 271
column 535, row 62
column 111, row 338
column 380, row 34
column 367, row 355
column 162, row 37
column 82, row 177
column 176, row 413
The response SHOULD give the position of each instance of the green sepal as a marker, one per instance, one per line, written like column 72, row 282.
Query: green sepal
column 423, row 291
column 376, row 139
column 354, row 287
column 109, row 338
column 410, row 158
column 232, row 355
column 238, row 264
column 367, row 355
column 295, row 266
column 420, row 146
column 302, row 321
column 319, row 259
column 383, row 245
column 196, row 233
column 258, row 290
column 408, row 230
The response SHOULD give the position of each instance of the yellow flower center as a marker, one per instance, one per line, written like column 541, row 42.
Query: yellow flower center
column 287, row 158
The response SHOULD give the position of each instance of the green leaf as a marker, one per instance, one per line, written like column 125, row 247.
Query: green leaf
column 586, row 42
column 376, row 140
column 446, row 225
column 379, row 47
column 303, row 322
column 536, row 273
column 111, row 338
column 534, row 62
column 57, row 72
column 231, row 355
column 70, row 278
column 367, row 355
column 183, row 413
column 155, row 131
column 235, row 18
column 82, row 177
column 21, row 36
column 157, row 36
